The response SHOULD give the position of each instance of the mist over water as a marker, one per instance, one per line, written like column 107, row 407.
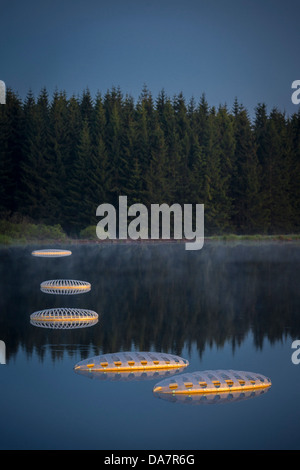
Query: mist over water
column 227, row 306
column 157, row 296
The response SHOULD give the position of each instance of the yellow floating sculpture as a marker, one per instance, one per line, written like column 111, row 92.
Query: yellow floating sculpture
column 51, row 253
column 131, row 361
column 212, row 382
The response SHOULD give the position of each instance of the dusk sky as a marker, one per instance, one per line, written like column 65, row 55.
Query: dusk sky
column 247, row 49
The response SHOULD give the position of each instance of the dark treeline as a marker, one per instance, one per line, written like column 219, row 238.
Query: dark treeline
column 62, row 157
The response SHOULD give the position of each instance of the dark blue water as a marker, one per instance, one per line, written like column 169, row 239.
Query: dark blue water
column 224, row 307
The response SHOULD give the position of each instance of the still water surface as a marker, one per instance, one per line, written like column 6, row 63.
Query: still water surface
column 223, row 307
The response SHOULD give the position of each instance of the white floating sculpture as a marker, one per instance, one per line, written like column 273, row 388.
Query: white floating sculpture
column 65, row 287
column 64, row 318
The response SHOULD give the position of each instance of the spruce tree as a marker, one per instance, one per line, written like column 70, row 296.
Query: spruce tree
column 260, row 130
column 100, row 162
column 80, row 207
column 36, row 197
column 60, row 149
column 113, row 142
column 293, row 127
column 277, row 173
column 156, row 184
column 183, row 134
column 11, row 154
column 224, row 131
column 249, row 211
column 130, row 173
column 86, row 106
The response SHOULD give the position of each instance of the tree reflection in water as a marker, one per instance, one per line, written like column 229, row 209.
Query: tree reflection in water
column 155, row 296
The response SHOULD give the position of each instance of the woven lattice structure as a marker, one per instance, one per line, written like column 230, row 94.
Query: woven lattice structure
column 65, row 287
column 51, row 253
column 64, row 318
column 213, row 381
column 131, row 361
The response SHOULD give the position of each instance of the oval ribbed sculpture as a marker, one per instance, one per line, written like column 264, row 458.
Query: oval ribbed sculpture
column 131, row 361
column 212, row 381
column 65, row 287
column 51, row 253
column 64, row 318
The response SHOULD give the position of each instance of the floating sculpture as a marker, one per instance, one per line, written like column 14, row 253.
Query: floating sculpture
column 65, row 287
column 131, row 361
column 212, row 381
column 64, row 318
column 51, row 253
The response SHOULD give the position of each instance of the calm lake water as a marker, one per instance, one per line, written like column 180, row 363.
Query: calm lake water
column 223, row 307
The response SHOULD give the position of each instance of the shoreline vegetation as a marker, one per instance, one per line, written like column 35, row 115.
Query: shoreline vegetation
column 25, row 233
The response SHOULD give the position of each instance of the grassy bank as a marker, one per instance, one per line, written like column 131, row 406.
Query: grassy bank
column 12, row 233
column 20, row 233
column 256, row 237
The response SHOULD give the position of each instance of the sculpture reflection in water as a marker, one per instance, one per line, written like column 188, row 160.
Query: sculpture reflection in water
column 211, row 398
column 64, row 318
column 127, row 366
column 127, row 376
column 212, row 386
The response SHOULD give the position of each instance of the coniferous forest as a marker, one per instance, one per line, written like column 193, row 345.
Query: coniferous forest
column 61, row 157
